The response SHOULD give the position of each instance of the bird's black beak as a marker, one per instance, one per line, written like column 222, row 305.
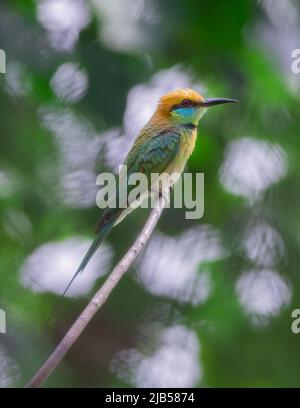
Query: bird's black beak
column 217, row 101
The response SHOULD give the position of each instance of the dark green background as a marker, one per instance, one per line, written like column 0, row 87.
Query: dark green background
column 239, row 49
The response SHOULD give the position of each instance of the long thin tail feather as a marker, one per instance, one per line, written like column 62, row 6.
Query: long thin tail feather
column 101, row 235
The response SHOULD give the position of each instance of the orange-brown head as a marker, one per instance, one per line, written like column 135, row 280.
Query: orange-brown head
column 184, row 106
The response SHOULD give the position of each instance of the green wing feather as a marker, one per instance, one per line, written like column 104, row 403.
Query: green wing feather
column 152, row 155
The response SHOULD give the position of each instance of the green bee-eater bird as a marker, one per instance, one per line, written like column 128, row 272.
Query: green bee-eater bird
column 163, row 146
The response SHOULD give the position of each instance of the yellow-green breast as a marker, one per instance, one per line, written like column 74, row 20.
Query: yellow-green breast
column 187, row 145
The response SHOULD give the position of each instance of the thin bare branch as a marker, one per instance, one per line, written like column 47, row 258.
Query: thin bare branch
column 98, row 300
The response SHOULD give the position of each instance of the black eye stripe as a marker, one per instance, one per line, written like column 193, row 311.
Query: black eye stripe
column 186, row 103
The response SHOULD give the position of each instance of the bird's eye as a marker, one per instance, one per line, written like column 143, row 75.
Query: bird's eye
column 186, row 102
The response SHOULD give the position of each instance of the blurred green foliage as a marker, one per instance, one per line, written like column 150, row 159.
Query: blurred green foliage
column 231, row 49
